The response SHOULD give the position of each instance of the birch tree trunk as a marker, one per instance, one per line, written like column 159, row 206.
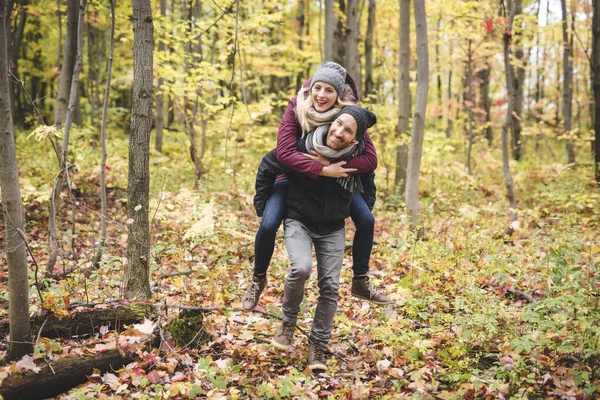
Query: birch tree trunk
column 404, row 97
column 68, row 63
column 567, row 82
column 18, row 287
column 329, row 25
column 103, row 202
column 418, row 128
column 449, row 116
column 468, row 97
column 138, row 242
column 369, row 48
column 63, row 167
column 352, row 61
column 596, row 83
column 508, row 182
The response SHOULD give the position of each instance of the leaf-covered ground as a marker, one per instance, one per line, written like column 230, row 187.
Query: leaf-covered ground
column 474, row 315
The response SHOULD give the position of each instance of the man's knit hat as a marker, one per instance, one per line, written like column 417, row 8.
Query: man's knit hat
column 363, row 117
column 332, row 73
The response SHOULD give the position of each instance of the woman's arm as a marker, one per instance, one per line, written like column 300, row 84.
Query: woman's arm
column 367, row 160
column 287, row 150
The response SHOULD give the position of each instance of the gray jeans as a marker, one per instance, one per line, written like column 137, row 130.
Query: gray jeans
column 330, row 256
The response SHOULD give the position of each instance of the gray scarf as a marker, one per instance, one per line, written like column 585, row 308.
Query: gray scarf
column 317, row 139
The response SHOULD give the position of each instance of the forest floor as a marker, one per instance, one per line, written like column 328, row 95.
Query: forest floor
column 475, row 314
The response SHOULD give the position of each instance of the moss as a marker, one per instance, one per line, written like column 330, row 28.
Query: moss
column 188, row 329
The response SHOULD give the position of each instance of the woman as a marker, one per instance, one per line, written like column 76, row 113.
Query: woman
column 318, row 102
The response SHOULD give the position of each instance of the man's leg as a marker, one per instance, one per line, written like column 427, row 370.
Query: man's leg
column 362, row 246
column 330, row 256
column 298, row 241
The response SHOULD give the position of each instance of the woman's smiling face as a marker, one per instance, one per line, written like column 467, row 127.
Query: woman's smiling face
column 324, row 96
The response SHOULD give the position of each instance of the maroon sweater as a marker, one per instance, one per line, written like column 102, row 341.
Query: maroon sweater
column 287, row 149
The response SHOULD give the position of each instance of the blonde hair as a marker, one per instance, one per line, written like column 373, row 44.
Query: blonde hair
column 305, row 102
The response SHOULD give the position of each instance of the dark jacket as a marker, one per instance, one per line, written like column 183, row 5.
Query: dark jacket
column 270, row 167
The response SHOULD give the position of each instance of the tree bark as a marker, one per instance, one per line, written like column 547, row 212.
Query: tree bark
column 449, row 117
column 468, row 100
column 63, row 167
column 508, row 182
column 404, row 97
column 418, row 128
column 518, row 74
column 160, row 96
column 60, row 375
column 339, row 36
column 352, row 61
column 18, row 287
column 84, row 322
column 329, row 25
column 138, row 242
column 15, row 40
column 567, row 82
column 103, row 200
column 484, row 92
column 369, row 48
column 596, row 83
column 68, row 63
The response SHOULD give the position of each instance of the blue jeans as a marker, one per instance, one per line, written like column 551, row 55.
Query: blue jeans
column 275, row 212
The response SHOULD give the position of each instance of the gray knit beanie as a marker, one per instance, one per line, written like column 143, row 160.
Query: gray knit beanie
column 332, row 73
column 363, row 117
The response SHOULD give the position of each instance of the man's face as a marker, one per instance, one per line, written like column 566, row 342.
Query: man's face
column 342, row 132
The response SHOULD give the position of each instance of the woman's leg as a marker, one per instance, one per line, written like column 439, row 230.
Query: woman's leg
column 267, row 231
column 362, row 245
column 265, row 242
column 363, row 238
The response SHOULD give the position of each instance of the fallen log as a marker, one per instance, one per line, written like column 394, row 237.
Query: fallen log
column 84, row 322
column 59, row 376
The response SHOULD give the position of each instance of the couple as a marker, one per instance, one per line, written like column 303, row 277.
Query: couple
column 322, row 140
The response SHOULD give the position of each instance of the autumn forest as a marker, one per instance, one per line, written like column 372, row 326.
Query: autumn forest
column 131, row 133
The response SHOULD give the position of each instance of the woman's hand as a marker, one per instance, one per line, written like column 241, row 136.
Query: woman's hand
column 318, row 158
column 337, row 170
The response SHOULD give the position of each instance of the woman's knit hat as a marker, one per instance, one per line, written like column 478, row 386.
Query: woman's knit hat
column 363, row 117
column 332, row 73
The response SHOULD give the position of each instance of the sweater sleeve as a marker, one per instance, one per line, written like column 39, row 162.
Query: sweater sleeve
column 287, row 150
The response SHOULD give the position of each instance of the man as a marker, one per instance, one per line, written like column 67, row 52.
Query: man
column 316, row 212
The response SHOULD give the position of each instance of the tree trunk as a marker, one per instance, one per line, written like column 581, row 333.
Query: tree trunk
column 418, row 128
column 567, row 82
column 404, row 97
column 103, row 200
column 508, row 182
column 14, row 50
column 60, row 375
column 63, row 167
column 468, row 100
column 86, row 322
column 369, row 49
column 339, row 37
column 300, row 18
column 95, row 51
column 484, row 92
column 329, row 24
column 18, row 287
column 160, row 96
column 68, row 63
column 596, row 84
column 518, row 74
column 138, row 242
column 449, row 117
column 352, row 57
column 438, row 69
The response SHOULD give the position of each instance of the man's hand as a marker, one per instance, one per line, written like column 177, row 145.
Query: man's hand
column 337, row 170
column 318, row 158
